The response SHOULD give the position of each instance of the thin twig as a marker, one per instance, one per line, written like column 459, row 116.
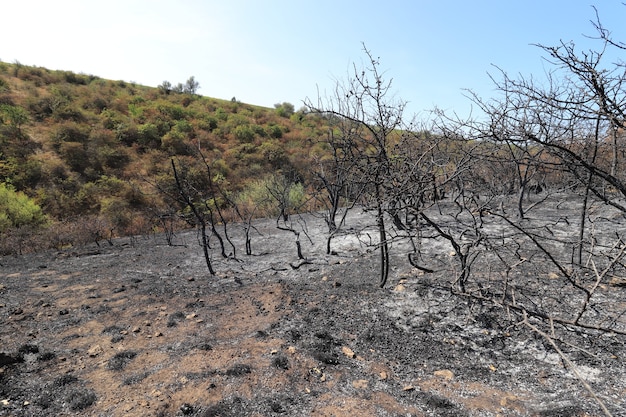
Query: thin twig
column 569, row 363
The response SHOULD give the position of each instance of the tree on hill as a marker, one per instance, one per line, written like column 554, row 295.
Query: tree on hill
column 191, row 86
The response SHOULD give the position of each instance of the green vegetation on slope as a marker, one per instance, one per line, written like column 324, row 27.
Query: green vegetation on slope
column 84, row 147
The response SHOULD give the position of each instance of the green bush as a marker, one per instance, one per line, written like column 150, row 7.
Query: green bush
column 17, row 209
column 149, row 136
column 284, row 109
column 244, row 134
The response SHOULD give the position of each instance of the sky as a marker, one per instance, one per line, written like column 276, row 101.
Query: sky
column 264, row 52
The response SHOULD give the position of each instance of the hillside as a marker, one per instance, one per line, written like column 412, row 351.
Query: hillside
column 90, row 151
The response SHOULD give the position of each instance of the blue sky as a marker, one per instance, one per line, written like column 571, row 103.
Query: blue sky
column 268, row 51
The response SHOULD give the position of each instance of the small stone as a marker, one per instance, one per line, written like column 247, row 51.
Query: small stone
column 200, row 321
column 136, row 329
column 408, row 388
column 95, row 351
column 186, row 409
column 399, row 288
column 158, row 334
column 383, row 375
column 291, row 349
column 4, row 402
column 360, row 384
column 348, row 352
column 191, row 279
column 191, row 316
column 445, row 374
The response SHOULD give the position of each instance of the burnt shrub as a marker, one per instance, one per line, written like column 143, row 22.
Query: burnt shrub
column 121, row 359
column 281, row 362
column 81, row 399
column 238, row 370
column 65, row 380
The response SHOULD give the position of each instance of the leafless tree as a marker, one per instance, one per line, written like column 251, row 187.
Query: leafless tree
column 371, row 116
column 334, row 171
column 567, row 127
column 186, row 194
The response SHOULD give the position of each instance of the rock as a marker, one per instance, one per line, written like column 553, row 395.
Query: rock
column 617, row 282
column 136, row 329
column 444, row 373
column 348, row 352
column 383, row 375
column 399, row 288
column 95, row 351
column 360, row 384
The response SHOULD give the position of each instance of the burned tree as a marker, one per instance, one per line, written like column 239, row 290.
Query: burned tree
column 566, row 130
column 334, row 171
column 287, row 194
column 186, row 196
column 371, row 116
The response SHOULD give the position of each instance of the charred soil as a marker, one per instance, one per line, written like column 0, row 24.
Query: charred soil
column 140, row 328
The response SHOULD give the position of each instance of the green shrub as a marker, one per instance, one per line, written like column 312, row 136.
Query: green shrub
column 284, row 109
column 149, row 136
column 17, row 209
column 208, row 123
column 69, row 132
column 244, row 134
column 275, row 131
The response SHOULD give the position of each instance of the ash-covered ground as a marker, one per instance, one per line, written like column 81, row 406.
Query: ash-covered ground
column 140, row 328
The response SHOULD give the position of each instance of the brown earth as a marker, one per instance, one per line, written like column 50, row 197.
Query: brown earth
column 141, row 329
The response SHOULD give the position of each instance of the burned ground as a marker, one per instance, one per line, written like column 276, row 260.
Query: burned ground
column 141, row 328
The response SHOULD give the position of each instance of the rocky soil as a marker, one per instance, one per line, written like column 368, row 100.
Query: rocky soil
column 141, row 329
